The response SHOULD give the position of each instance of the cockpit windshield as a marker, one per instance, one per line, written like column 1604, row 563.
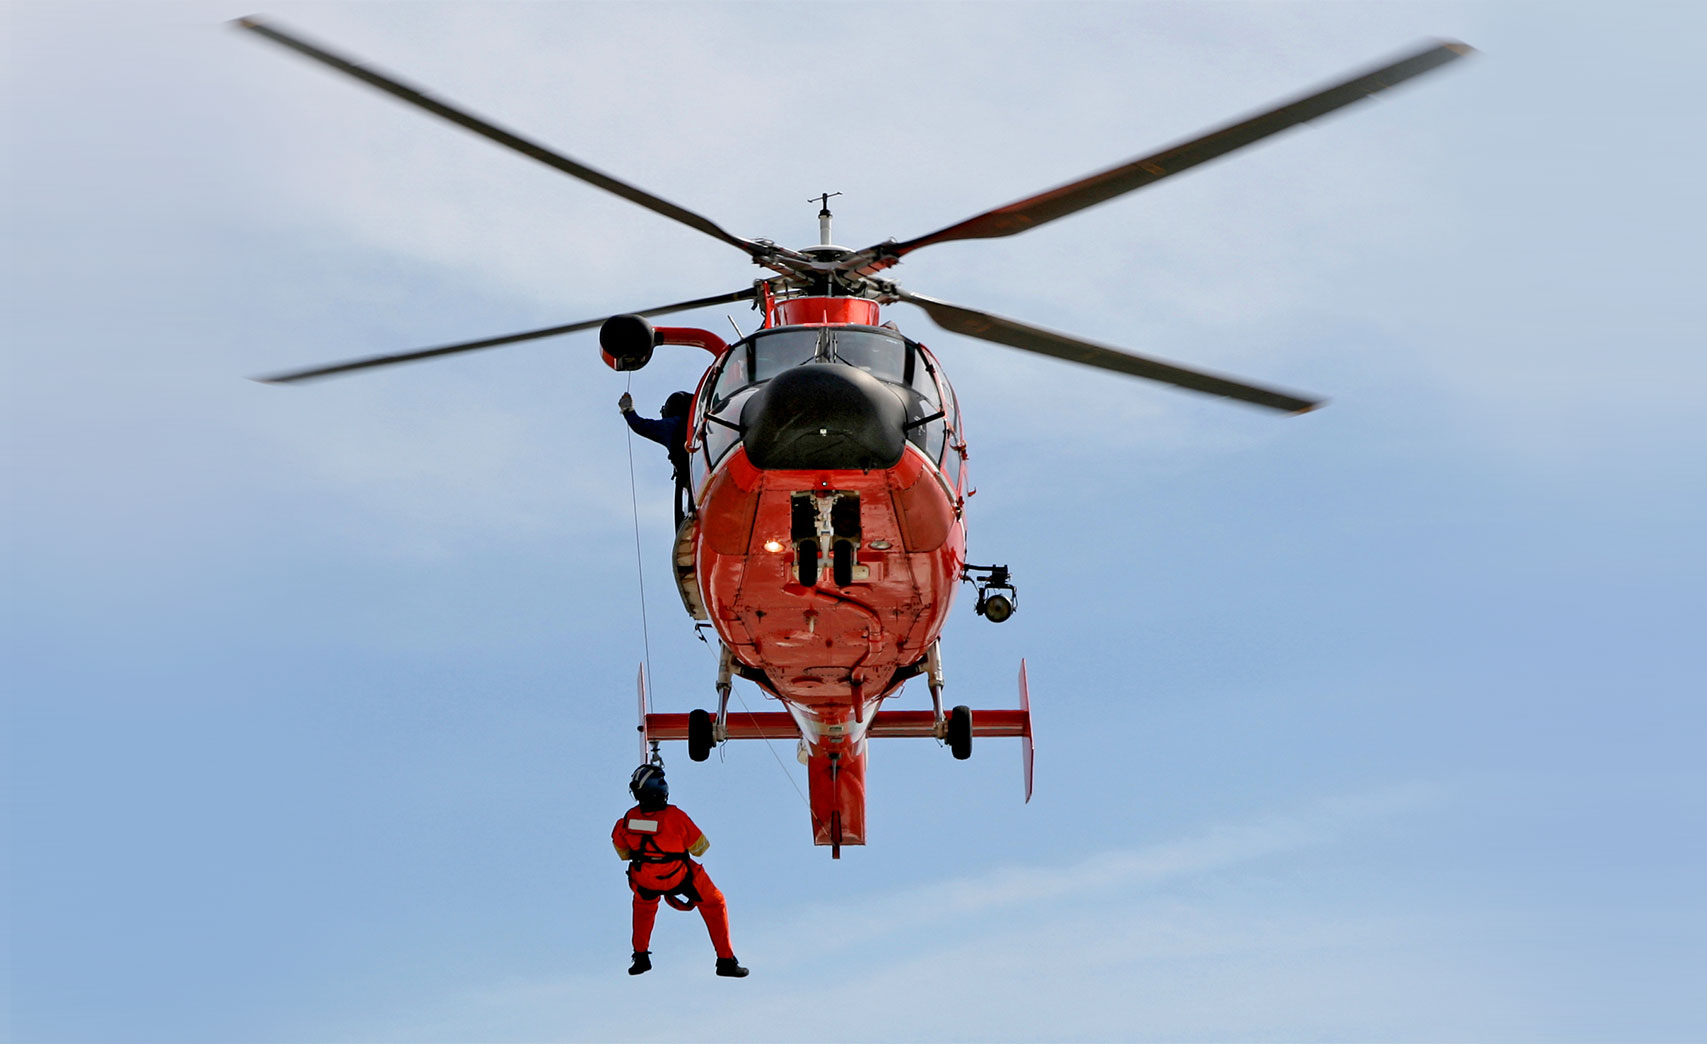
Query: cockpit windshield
column 882, row 355
column 880, row 352
column 775, row 352
column 877, row 352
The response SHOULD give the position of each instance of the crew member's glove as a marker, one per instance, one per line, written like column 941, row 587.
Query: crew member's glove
column 625, row 403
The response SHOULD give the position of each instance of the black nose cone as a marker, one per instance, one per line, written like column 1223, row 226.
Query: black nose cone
column 824, row 415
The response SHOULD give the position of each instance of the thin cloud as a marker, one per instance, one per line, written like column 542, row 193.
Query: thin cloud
column 1214, row 849
column 1031, row 909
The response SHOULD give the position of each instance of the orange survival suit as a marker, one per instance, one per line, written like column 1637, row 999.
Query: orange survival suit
column 658, row 840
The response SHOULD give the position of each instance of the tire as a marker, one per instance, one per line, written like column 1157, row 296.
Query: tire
column 844, row 516
column 806, row 557
column 960, row 732
column 699, row 735
column 842, row 562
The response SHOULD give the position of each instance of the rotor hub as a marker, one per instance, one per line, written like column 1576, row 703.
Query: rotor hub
column 827, row 252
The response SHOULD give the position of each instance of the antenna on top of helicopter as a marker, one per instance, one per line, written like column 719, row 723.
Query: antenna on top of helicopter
column 823, row 201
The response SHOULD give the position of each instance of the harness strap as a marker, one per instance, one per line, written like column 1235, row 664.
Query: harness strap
column 690, row 897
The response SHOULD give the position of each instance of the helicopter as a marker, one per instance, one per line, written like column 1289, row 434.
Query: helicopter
column 824, row 534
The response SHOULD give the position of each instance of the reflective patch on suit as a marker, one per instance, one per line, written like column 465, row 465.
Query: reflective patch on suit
column 643, row 826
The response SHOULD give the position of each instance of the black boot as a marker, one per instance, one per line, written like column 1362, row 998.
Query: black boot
column 729, row 966
column 642, row 962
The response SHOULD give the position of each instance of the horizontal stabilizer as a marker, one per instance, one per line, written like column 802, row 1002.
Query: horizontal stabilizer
column 884, row 724
column 764, row 725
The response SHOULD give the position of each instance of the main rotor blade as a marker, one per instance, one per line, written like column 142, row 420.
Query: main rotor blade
column 1016, row 334
column 1074, row 196
column 490, row 342
column 503, row 137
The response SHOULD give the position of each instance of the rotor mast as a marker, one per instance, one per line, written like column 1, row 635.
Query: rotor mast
column 823, row 201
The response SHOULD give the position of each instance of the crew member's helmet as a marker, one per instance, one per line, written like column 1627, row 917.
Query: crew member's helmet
column 649, row 786
column 676, row 405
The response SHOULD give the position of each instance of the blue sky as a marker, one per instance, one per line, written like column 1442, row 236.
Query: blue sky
column 1382, row 723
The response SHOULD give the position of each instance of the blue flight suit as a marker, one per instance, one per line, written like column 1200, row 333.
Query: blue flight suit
column 672, row 434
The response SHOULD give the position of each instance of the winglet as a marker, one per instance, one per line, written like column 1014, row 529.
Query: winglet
column 1026, row 750
column 645, row 706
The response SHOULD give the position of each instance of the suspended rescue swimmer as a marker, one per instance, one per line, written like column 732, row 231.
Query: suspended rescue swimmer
column 658, row 840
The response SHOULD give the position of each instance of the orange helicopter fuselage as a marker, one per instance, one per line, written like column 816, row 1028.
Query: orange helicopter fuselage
column 827, row 585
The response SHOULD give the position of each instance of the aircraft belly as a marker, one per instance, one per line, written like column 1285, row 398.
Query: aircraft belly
column 825, row 646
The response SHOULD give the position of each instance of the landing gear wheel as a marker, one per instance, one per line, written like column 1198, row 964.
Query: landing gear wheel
column 699, row 735
column 960, row 732
column 806, row 555
column 842, row 562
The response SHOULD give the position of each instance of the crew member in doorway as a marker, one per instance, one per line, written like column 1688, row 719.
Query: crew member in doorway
column 658, row 840
column 671, row 431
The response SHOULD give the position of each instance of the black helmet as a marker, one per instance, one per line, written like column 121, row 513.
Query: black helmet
column 676, row 405
column 649, row 786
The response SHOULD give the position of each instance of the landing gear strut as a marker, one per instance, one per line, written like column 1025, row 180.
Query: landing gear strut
column 956, row 727
column 704, row 731
column 933, row 678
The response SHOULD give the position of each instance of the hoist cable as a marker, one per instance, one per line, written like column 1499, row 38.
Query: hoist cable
column 639, row 559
